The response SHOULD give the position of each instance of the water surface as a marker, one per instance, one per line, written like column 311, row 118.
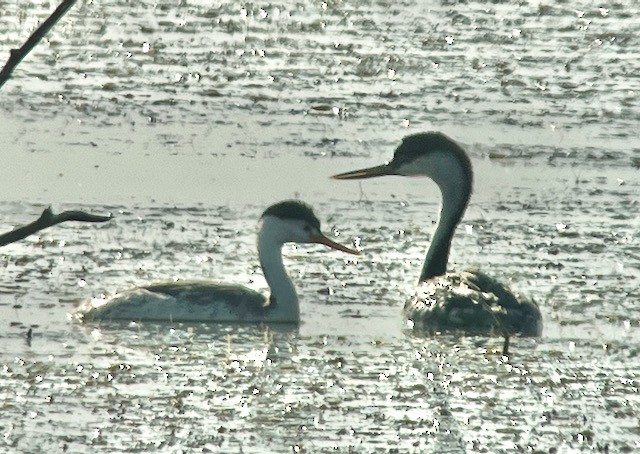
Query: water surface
column 186, row 120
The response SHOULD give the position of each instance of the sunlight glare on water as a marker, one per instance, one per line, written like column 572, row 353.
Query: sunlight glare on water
column 185, row 120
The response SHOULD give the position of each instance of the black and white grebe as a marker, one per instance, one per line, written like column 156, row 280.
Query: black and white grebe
column 200, row 301
column 469, row 301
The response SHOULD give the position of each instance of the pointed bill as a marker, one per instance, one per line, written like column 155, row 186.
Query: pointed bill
column 319, row 238
column 370, row 172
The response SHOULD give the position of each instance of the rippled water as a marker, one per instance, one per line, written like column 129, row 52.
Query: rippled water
column 186, row 120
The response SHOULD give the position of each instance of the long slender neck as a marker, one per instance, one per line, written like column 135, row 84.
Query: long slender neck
column 455, row 188
column 283, row 293
column 435, row 263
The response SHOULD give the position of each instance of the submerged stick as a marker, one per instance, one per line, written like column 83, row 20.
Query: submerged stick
column 504, row 331
column 16, row 55
column 47, row 219
column 505, row 346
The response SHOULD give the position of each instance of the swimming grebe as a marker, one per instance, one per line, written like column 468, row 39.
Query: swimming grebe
column 468, row 301
column 201, row 301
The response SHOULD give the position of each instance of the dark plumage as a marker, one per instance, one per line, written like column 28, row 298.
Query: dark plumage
column 293, row 209
column 474, row 303
column 416, row 145
column 470, row 302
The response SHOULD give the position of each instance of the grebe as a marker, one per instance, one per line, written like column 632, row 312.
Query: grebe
column 469, row 301
column 198, row 301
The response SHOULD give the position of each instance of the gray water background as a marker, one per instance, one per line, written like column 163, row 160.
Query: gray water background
column 186, row 119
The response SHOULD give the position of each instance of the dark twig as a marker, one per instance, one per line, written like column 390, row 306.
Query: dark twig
column 501, row 326
column 505, row 345
column 16, row 55
column 47, row 219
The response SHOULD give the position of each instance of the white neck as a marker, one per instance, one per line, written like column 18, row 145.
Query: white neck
column 270, row 255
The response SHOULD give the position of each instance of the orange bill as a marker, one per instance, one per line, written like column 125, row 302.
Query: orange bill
column 319, row 238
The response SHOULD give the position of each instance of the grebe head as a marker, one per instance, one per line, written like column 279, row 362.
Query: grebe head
column 292, row 221
column 430, row 154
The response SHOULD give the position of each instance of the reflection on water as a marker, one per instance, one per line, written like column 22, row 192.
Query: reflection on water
column 349, row 377
column 186, row 119
column 520, row 66
column 234, row 389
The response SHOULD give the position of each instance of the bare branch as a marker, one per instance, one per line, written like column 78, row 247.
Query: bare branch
column 16, row 55
column 47, row 219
